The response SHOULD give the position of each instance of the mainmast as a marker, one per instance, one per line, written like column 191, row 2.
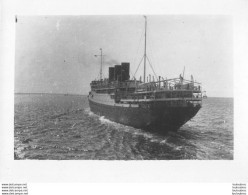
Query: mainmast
column 101, row 63
column 145, row 51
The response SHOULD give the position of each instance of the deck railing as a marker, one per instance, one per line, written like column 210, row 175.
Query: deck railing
column 168, row 84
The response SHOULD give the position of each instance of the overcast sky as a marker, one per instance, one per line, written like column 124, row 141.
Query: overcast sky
column 55, row 54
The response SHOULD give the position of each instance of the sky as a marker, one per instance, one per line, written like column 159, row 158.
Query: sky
column 55, row 54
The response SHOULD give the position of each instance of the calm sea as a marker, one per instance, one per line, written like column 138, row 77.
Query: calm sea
column 60, row 127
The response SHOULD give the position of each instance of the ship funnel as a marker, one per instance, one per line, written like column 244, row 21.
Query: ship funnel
column 125, row 66
column 117, row 73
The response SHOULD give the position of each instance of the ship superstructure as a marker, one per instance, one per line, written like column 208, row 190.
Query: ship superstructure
column 154, row 104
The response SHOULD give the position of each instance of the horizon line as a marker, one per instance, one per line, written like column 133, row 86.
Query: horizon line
column 48, row 93
column 87, row 94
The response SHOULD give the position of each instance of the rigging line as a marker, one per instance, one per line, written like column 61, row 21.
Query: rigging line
column 103, row 76
column 135, row 57
column 138, row 66
column 131, row 73
column 152, row 68
column 150, row 49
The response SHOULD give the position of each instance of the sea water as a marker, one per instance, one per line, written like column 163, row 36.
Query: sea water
column 62, row 127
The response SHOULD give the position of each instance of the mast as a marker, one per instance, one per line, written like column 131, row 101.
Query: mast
column 101, row 63
column 145, row 51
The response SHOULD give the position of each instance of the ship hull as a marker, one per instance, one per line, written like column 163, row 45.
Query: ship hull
column 152, row 116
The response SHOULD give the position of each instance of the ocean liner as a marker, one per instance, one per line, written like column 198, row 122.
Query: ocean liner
column 151, row 104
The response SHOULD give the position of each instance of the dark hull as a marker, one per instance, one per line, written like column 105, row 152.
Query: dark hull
column 153, row 116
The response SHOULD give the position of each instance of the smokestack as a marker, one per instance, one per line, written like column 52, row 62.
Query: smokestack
column 125, row 71
column 117, row 72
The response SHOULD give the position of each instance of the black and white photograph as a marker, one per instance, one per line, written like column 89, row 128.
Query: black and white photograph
column 123, row 97
column 115, row 87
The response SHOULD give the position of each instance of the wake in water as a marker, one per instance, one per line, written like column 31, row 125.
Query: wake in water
column 149, row 137
column 63, row 127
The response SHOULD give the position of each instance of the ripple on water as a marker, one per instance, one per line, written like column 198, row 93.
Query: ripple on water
column 63, row 127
